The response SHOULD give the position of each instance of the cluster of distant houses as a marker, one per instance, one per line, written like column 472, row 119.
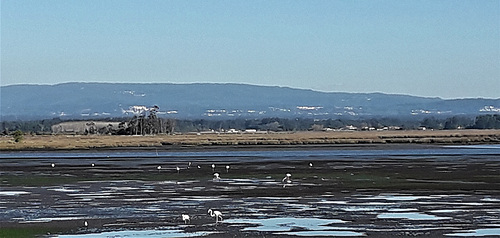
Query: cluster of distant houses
column 102, row 127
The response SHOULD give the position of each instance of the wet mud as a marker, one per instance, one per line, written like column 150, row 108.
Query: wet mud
column 417, row 192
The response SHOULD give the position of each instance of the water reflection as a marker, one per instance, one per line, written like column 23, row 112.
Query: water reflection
column 323, row 233
column 285, row 223
column 478, row 232
column 143, row 233
column 410, row 216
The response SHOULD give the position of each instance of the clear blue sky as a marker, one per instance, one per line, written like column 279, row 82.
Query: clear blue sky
column 438, row 48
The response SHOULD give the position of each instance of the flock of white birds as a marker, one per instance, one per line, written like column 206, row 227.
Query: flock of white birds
column 213, row 213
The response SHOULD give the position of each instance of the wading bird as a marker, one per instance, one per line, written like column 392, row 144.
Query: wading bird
column 287, row 179
column 310, row 164
column 53, row 165
column 186, row 218
column 213, row 167
column 178, row 169
column 227, row 168
column 216, row 177
column 215, row 214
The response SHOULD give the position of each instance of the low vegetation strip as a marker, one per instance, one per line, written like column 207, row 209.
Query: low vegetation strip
column 74, row 142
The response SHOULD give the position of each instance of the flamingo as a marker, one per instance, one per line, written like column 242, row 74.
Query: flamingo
column 216, row 177
column 215, row 214
column 287, row 179
column 186, row 218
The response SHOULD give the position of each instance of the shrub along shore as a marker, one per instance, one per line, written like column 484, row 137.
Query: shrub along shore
column 274, row 140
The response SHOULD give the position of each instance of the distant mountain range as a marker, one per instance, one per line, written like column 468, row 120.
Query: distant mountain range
column 219, row 101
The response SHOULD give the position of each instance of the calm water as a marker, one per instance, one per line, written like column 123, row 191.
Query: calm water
column 289, row 155
column 126, row 194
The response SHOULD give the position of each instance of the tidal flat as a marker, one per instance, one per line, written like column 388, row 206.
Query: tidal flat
column 372, row 191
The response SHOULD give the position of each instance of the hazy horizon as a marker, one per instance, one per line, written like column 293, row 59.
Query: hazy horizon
column 446, row 49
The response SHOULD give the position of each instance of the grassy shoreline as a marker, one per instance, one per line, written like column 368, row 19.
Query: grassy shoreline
column 193, row 141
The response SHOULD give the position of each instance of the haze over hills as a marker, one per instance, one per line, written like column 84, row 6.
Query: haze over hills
column 219, row 101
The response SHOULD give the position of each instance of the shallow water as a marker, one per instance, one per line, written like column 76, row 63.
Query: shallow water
column 477, row 232
column 125, row 195
column 285, row 223
column 410, row 216
column 143, row 233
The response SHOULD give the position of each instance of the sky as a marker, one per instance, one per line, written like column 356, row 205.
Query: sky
column 430, row 48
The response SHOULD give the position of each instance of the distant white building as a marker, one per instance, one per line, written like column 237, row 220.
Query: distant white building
column 232, row 131
column 351, row 128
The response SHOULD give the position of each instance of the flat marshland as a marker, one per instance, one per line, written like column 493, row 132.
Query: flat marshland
column 193, row 140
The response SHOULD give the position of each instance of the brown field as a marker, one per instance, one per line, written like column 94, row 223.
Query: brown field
column 192, row 141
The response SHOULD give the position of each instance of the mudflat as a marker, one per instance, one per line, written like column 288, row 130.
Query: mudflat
column 373, row 190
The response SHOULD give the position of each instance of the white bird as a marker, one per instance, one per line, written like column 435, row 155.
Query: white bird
column 53, row 165
column 310, row 164
column 178, row 169
column 287, row 178
column 216, row 177
column 86, row 224
column 159, row 167
column 186, row 218
column 227, row 168
column 213, row 166
column 215, row 214
column 93, row 164
column 189, row 164
column 199, row 167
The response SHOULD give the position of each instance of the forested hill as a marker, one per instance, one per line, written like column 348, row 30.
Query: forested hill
column 94, row 100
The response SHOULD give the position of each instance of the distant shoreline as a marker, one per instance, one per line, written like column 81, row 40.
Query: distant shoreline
column 292, row 140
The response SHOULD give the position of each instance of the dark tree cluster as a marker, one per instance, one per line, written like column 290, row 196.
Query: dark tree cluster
column 146, row 125
column 487, row 122
column 37, row 126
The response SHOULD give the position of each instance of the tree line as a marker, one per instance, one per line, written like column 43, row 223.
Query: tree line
column 147, row 124
column 304, row 124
